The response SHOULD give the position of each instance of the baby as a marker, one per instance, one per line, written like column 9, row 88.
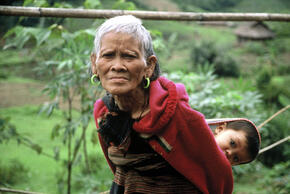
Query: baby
column 238, row 138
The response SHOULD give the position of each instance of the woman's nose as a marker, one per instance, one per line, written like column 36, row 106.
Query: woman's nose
column 118, row 66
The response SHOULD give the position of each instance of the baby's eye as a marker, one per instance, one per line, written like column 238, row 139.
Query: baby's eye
column 232, row 143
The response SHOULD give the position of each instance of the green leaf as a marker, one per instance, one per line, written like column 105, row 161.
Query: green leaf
column 55, row 131
column 37, row 148
column 41, row 36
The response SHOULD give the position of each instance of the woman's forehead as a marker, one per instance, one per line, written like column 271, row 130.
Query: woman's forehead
column 120, row 38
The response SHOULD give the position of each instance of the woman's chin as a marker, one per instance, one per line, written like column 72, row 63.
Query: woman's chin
column 118, row 90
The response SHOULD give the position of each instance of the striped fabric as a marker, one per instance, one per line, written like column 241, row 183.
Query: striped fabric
column 133, row 182
column 141, row 170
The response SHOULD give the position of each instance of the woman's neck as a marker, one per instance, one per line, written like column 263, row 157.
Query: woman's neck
column 135, row 102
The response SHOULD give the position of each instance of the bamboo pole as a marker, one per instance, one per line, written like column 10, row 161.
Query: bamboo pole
column 149, row 15
column 274, row 144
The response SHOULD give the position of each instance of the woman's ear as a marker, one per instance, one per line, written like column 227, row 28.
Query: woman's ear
column 220, row 128
column 93, row 63
column 151, row 63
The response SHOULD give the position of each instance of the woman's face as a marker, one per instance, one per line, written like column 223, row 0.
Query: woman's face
column 121, row 65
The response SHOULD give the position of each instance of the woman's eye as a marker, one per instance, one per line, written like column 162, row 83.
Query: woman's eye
column 129, row 56
column 108, row 55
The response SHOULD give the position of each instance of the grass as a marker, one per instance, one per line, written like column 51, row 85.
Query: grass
column 20, row 80
column 42, row 169
column 188, row 34
column 274, row 6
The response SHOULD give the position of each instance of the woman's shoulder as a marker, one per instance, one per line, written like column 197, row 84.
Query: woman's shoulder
column 99, row 108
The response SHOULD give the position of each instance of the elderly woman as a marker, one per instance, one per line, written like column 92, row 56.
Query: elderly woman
column 152, row 140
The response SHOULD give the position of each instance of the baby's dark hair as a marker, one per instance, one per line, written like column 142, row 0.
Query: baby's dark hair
column 252, row 136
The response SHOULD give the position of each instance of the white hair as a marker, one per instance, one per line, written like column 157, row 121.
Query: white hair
column 126, row 24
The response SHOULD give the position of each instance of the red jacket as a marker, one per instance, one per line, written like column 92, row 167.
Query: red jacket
column 184, row 139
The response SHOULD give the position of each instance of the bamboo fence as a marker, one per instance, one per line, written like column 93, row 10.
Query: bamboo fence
column 148, row 15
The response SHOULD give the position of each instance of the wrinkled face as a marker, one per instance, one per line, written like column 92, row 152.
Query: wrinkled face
column 233, row 144
column 121, row 65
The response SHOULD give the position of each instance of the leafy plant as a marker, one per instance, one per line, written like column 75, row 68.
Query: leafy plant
column 214, row 99
column 65, row 59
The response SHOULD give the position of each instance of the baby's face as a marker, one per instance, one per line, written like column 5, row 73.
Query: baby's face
column 234, row 145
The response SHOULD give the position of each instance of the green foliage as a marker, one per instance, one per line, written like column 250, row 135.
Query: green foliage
column 273, row 87
column 272, row 6
column 214, row 99
column 206, row 52
column 124, row 5
column 66, row 62
column 209, row 5
column 274, row 131
column 11, row 58
column 92, row 4
column 23, row 35
column 257, row 48
column 98, row 179
column 36, row 3
column 274, row 180
column 278, row 178
column 12, row 173
column 8, row 132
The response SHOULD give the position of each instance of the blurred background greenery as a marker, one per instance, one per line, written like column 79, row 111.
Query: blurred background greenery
column 47, row 134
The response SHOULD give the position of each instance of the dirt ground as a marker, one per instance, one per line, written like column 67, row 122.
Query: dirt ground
column 18, row 94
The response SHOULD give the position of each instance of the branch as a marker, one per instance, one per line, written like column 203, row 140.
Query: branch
column 149, row 15
column 273, row 116
column 16, row 191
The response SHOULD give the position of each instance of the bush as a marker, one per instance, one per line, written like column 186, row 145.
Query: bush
column 12, row 173
column 226, row 66
column 203, row 53
column 273, row 88
column 207, row 52
column 257, row 48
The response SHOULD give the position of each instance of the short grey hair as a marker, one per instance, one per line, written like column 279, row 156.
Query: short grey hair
column 133, row 26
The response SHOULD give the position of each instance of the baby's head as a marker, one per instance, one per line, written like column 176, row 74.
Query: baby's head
column 239, row 140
